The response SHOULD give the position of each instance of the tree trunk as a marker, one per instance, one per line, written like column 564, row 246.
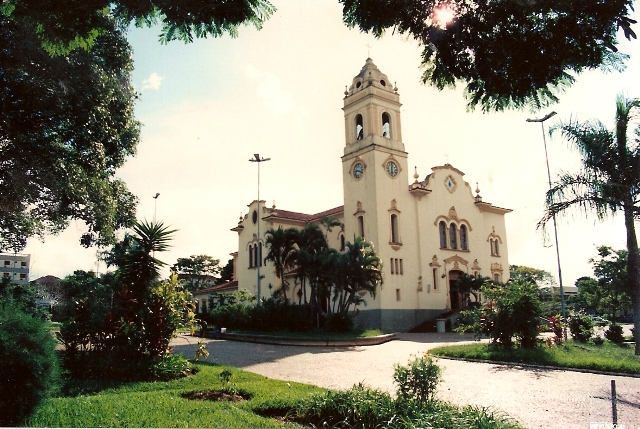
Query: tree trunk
column 633, row 273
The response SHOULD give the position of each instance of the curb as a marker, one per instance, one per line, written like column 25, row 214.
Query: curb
column 549, row 368
column 321, row 342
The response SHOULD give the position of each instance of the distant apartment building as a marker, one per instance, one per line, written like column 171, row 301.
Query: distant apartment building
column 15, row 267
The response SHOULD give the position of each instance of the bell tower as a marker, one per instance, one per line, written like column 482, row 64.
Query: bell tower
column 372, row 111
column 374, row 163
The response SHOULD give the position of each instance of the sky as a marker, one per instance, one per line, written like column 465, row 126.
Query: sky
column 207, row 107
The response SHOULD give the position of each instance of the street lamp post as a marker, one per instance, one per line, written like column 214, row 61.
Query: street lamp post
column 555, row 227
column 256, row 158
column 155, row 205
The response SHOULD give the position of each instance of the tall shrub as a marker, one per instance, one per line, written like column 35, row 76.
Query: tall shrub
column 130, row 339
column 580, row 326
column 511, row 313
column 28, row 365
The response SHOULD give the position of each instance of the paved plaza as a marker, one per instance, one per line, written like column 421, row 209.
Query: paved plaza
column 537, row 398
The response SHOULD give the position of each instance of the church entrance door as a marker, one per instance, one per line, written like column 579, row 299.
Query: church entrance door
column 454, row 295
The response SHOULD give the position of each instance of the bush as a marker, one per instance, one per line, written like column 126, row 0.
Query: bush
column 581, row 326
column 128, row 341
column 513, row 311
column 273, row 314
column 358, row 407
column 339, row 323
column 417, row 381
column 28, row 365
column 614, row 334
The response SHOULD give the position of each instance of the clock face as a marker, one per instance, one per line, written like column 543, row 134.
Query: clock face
column 358, row 170
column 392, row 168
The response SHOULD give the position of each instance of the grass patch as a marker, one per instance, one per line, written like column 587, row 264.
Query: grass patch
column 160, row 404
column 270, row 403
column 571, row 354
column 315, row 335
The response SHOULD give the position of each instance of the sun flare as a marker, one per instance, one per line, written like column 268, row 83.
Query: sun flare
column 443, row 15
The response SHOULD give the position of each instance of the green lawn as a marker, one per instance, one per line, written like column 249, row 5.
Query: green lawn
column 95, row 404
column 572, row 354
column 160, row 404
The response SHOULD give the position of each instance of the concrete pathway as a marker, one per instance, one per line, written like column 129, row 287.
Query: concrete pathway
column 537, row 398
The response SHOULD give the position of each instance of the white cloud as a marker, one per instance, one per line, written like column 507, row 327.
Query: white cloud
column 152, row 82
column 278, row 101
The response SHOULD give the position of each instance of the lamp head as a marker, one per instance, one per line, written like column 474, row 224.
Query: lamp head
column 544, row 118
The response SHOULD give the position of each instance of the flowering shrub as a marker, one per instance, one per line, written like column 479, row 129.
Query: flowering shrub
column 512, row 311
column 581, row 326
column 557, row 327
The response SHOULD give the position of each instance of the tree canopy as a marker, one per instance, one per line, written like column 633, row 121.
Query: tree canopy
column 197, row 271
column 64, row 26
column 66, row 106
column 507, row 53
column 66, row 125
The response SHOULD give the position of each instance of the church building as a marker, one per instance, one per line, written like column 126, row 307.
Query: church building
column 426, row 232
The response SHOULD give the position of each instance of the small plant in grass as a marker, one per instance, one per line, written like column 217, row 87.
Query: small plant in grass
column 557, row 326
column 597, row 340
column 581, row 326
column 417, row 381
column 225, row 376
column 201, row 352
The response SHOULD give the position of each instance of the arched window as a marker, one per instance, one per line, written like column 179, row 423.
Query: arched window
column 386, row 125
column 453, row 236
column 255, row 255
column 395, row 238
column 464, row 241
column 342, row 242
column 361, row 226
column 359, row 127
column 435, row 279
column 443, row 235
column 260, row 254
column 495, row 251
column 250, row 256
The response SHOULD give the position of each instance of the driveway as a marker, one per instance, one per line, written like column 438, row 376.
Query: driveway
column 537, row 398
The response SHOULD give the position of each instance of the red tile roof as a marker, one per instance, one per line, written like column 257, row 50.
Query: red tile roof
column 224, row 287
column 278, row 214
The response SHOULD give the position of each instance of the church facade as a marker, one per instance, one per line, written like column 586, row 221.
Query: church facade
column 426, row 232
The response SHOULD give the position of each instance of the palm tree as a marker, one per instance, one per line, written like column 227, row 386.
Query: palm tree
column 138, row 266
column 310, row 244
column 470, row 285
column 281, row 244
column 608, row 182
column 357, row 269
